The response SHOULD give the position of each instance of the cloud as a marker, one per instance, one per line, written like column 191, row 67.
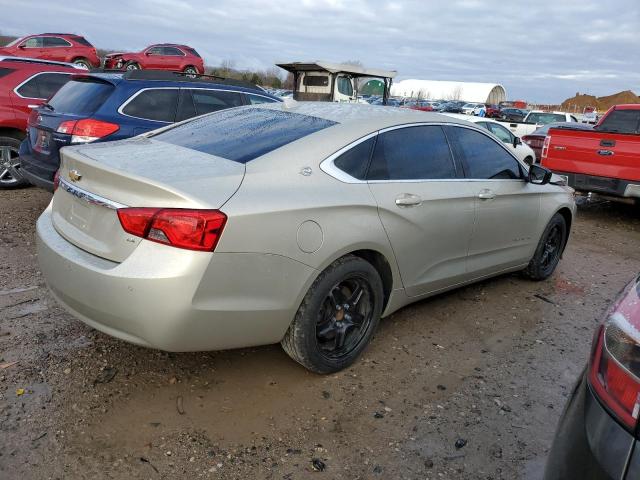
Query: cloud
column 541, row 51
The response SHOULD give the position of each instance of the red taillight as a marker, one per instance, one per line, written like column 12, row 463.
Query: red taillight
column 545, row 146
column 56, row 180
column 614, row 371
column 182, row 228
column 87, row 130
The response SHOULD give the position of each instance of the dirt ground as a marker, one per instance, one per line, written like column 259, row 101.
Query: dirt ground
column 490, row 365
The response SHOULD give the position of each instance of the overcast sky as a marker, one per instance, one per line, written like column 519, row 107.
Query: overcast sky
column 540, row 50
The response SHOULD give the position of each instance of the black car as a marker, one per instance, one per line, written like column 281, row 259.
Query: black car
column 513, row 114
column 451, row 107
column 598, row 435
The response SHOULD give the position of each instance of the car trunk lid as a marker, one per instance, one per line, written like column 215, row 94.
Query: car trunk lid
column 96, row 180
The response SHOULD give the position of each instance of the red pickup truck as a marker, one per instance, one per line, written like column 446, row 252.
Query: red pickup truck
column 604, row 160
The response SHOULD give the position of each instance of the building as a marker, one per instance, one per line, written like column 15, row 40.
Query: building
column 492, row 93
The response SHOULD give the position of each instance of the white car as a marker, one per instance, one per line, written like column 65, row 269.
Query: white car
column 521, row 150
column 471, row 108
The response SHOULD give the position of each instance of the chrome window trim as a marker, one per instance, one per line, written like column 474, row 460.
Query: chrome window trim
column 328, row 166
column 89, row 197
column 15, row 90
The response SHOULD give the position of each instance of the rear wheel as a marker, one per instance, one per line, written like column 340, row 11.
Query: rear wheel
column 547, row 255
column 337, row 317
column 190, row 71
column 10, row 176
column 132, row 66
column 82, row 62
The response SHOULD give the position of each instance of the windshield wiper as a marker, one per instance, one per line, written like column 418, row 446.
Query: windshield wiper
column 47, row 106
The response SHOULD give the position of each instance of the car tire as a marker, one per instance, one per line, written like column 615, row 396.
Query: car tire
column 325, row 335
column 190, row 71
column 10, row 164
column 549, row 250
column 132, row 66
column 83, row 62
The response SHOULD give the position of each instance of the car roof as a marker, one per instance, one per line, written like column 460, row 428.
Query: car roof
column 470, row 118
column 369, row 117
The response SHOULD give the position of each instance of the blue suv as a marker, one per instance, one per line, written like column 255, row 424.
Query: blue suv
column 100, row 107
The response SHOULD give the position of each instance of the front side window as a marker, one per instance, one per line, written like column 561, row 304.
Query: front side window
column 207, row 101
column 502, row 133
column 43, row 86
column 412, row 153
column 156, row 104
column 55, row 42
column 344, row 86
column 154, row 51
column 355, row 161
column 33, row 42
column 482, row 156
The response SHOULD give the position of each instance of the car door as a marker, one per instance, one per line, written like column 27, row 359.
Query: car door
column 55, row 48
column 32, row 48
column 172, row 58
column 507, row 206
column 425, row 206
column 154, row 57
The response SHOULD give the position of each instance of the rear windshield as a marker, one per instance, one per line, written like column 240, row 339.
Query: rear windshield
column 544, row 118
column 243, row 134
column 81, row 96
column 621, row 121
column 193, row 52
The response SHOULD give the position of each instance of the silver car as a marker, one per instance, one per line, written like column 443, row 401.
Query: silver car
column 295, row 223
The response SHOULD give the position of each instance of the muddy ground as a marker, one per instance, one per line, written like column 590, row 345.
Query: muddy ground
column 489, row 364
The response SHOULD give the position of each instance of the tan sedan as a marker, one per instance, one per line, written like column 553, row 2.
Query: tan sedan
column 297, row 223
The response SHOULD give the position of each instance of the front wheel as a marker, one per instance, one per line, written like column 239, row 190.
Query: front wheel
column 10, row 176
column 337, row 317
column 132, row 66
column 547, row 255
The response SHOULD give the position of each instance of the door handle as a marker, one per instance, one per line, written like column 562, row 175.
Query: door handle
column 486, row 195
column 606, row 153
column 408, row 200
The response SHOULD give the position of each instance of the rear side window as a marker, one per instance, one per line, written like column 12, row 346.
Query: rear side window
column 207, row 101
column 43, row 85
column 55, row 42
column 157, row 104
column 82, row 41
column 483, row 157
column 412, row 153
column 81, row 97
column 242, row 134
column 172, row 51
column 356, row 160
column 316, row 81
column 621, row 121
column 193, row 52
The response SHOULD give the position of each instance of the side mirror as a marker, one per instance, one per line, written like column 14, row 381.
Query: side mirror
column 22, row 47
column 517, row 141
column 147, row 53
column 539, row 175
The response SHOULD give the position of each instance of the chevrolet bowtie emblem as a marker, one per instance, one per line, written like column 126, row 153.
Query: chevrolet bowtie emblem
column 75, row 175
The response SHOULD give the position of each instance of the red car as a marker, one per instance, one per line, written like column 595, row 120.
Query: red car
column 165, row 56
column 59, row 47
column 25, row 83
column 492, row 111
column 602, row 160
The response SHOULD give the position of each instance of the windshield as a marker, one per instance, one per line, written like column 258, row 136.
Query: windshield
column 16, row 41
column 242, row 134
column 544, row 118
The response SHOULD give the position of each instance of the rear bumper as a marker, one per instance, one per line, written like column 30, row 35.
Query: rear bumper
column 173, row 299
column 589, row 443
column 37, row 173
column 604, row 185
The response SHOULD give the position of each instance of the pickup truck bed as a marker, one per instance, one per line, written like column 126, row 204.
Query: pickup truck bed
column 604, row 160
